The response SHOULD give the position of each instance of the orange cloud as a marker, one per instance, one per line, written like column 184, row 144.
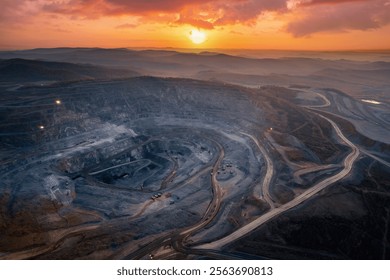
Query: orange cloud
column 126, row 25
column 318, row 15
column 347, row 15
column 315, row 2
column 299, row 18
column 97, row 8
column 204, row 24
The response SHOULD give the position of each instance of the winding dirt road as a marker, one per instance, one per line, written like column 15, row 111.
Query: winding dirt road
column 269, row 173
column 347, row 164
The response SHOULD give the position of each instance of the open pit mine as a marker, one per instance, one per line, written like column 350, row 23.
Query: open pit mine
column 176, row 168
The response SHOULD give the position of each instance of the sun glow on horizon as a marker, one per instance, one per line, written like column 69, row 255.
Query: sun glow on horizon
column 197, row 37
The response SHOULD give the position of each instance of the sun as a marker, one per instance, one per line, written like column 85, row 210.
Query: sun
column 197, row 37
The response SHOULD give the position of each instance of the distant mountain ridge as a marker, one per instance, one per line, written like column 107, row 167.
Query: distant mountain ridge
column 183, row 64
column 357, row 77
column 24, row 70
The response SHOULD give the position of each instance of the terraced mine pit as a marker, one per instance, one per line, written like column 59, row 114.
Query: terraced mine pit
column 178, row 168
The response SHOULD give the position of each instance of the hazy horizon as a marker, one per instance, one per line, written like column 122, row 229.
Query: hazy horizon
column 202, row 49
column 357, row 55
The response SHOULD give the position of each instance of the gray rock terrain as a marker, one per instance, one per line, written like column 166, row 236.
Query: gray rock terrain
column 121, row 154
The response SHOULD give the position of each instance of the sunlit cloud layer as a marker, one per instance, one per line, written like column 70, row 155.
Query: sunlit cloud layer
column 300, row 18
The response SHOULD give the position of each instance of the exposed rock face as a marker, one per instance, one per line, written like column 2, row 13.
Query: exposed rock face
column 119, row 164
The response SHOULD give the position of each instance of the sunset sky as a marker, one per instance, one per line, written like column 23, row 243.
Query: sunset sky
column 226, row 24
